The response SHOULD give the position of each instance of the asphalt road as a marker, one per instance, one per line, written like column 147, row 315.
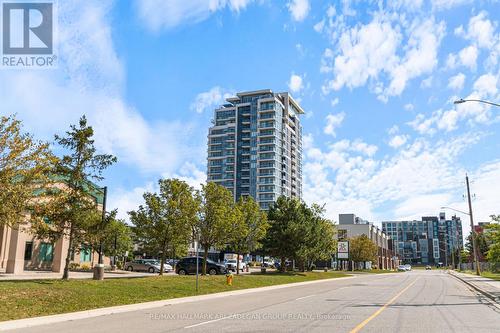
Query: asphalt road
column 417, row 301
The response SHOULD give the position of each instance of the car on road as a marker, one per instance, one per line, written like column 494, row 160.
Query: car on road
column 402, row 268
column 427, row 268
column 147, row 265
column 408, row 267
column 188, row 266
column 231, row 265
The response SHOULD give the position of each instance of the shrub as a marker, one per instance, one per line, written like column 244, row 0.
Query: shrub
column 85, row 267
column 74, row 266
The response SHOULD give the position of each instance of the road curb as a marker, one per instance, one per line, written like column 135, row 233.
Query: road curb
column 58, row 318
column 478, row 289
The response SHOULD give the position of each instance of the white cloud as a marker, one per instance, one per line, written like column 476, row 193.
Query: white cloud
column 468, row 56
column 295, row 84
column 482, row 31
column 210, row 99
column 485, row 87
column 191, row 174
column 333, row 121
column 299, row 9
column 370, row 53
column 334, row 101
column 456, row 82
column 364, row 51
column 159, row 14
column 409, row 107
column 397, row 141
column 90, row 80
column 128, row 200
column 348, row 182
column 447, row 4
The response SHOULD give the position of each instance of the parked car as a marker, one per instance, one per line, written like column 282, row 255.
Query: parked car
column 172, row 262
column 147, row 265
column 268, row 263
column 231, row 265
column 427, row 268
column 408, row 267
column 402, row 268
column 188, row 266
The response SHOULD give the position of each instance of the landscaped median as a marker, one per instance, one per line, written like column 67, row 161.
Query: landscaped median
column 25, row 299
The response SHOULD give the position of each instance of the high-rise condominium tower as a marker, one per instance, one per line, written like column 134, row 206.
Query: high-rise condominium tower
column 255, row 146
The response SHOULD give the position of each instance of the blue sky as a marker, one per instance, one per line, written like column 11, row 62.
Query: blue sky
column 377, row 80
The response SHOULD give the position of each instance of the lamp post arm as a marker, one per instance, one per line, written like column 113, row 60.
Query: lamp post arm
column 460, row 101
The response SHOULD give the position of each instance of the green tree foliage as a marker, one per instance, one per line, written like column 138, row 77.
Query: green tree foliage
column 166, row 219
column 25, row 165
column 481, row 243
column 283, row 238
column 248, row 227
column 493, row 232
column 112, row 232
column 217, row 216
column 361, row 248
column 70, row 209
column 299, row 232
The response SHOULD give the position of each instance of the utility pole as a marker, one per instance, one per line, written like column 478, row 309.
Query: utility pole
column 473, row 232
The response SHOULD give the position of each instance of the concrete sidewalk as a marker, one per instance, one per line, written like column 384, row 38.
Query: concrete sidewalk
column 488, row 287
column 44, row 275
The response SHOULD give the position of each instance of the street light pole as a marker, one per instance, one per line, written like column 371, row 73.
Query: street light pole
column 473, row 232
column 103, row 221
column 99, row 269
column 461, row 101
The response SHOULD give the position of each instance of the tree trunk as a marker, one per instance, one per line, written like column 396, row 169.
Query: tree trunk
column 68, row 254
column 205, row 257
column 162, row 262
column 237, row 263
column 92, row 260
column 283, row 264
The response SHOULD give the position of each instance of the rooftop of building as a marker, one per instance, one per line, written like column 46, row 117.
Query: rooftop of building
column 240, row 95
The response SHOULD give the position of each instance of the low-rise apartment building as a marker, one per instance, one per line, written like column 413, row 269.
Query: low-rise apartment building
column 352, row 226
column 21, row 250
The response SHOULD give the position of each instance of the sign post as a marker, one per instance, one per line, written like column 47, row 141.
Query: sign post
column 343, row 250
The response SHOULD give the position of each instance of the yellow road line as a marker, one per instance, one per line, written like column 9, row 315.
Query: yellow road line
column 367, row 320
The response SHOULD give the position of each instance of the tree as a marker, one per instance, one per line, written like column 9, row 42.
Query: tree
column 114, row 234
column 322, row 240
column 248, row 229
column 493, row 232
column 481, row 243
column 166, row 218
column 361, row 248
column 25, row 165
column 70, row 209
column 283, row 238
column 216, row 218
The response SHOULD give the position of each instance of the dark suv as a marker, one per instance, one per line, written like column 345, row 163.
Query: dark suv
column 188, row 266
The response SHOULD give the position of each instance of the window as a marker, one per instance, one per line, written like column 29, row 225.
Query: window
column 342, row 234
column 28, row 250
column 46, row 252
column 85, row 254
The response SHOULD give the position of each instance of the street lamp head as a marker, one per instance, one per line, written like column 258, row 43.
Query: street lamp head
column 459, row 101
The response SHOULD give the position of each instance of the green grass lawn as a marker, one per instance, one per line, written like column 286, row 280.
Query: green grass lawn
column 23, row 299
column 489, row 275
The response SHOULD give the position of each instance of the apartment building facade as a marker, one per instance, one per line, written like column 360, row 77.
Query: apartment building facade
column 432, row 240
column 255, row 146
column 351, row 226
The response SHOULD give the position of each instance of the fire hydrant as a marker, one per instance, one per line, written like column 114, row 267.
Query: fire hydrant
column 229, row 279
